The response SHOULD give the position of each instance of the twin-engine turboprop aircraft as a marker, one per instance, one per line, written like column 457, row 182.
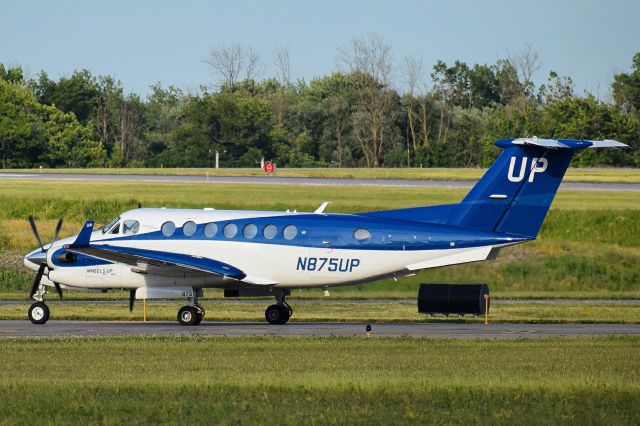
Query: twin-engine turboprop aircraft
column 169, row 253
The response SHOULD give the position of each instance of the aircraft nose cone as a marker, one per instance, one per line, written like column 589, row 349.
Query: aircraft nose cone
column 37, row 257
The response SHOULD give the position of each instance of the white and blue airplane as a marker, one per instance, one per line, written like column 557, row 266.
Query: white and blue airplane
column 169, row 253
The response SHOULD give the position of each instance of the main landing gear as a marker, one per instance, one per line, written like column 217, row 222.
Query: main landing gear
column 193, row 313
column 280, row 312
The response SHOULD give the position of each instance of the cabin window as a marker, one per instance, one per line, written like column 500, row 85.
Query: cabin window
column 168, row 228
column 210, row 230
column 130, row 227
column 250, row 231
column 270, row 232
column 289, row 232
column 189, row 228
column 230, row 230
column 361, row 234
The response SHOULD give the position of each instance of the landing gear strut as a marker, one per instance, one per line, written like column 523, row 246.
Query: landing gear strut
column 280, row 312
column 193, row 313
column 39, row 311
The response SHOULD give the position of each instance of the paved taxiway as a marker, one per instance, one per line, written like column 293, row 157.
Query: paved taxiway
column 22, row 328
column 276, row 180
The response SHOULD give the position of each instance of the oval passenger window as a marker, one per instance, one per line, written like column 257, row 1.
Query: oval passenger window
column 230, row 230
column 250, row 231
column 270, row 232
column 168, row 228
column 361, row 234
column 189, row 228
column 289, row 232
column 210, row 230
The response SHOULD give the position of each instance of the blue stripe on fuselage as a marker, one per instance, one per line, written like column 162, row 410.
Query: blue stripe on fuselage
column 337, row 231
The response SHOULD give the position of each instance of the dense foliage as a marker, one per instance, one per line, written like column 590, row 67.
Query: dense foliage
column 353, row 118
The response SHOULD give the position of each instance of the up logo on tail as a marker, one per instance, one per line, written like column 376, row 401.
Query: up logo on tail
column 538, row 165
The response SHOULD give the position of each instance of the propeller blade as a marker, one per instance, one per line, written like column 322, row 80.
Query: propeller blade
column 132, row 298
column 55, row 233
column 36, row 281
column 35, row 232
column 58, row 289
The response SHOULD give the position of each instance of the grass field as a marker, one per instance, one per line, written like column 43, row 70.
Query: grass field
column 258, row 380
column 573, row 174
column 344, row 311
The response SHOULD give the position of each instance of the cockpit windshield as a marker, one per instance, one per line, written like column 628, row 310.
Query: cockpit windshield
column 109, row 225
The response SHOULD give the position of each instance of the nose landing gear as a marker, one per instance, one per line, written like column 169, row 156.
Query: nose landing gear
column 39, row 311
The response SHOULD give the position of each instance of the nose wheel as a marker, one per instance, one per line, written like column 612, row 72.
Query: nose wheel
column 39, row 313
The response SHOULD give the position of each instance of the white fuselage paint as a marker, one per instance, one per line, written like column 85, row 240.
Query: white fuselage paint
column 263, row 263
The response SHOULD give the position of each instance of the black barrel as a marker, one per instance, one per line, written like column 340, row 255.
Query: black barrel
column 452, row 299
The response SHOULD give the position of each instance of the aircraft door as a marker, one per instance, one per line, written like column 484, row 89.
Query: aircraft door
column 324, row 255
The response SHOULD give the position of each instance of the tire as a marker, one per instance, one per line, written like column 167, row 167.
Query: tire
column 187, row 315
column 39, row 313
column 277, row 314
column 199, row 316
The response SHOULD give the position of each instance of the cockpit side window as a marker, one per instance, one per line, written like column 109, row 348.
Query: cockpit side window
column 106, row 228
column 116, row 229
column 130, row 227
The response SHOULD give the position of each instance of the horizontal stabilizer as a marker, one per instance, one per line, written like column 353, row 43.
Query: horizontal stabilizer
column 455, row 258
column 608, row 143
column 575, row 144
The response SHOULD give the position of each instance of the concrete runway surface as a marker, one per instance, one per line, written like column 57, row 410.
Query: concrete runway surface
column 275, row 180
column 23, row 328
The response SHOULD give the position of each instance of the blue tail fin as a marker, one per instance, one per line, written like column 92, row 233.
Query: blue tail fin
column 515, row 194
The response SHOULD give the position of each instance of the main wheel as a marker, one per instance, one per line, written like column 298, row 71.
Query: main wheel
column 38, row 313
column 277, row 314
column 188, row 315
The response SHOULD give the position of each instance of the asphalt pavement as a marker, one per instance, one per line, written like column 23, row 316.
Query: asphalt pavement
column 53, row 328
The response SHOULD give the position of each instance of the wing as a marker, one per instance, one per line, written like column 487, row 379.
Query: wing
column 160, row 262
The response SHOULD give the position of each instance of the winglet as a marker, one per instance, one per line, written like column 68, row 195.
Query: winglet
column 82, row 240
column 323, row 206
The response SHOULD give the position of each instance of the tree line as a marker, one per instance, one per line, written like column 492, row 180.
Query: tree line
column 354, row 117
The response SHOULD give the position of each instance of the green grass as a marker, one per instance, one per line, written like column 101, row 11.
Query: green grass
column 102, row 200
column 573, row 174
column 316, row 380
column 344, row 311
column 590, row 241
